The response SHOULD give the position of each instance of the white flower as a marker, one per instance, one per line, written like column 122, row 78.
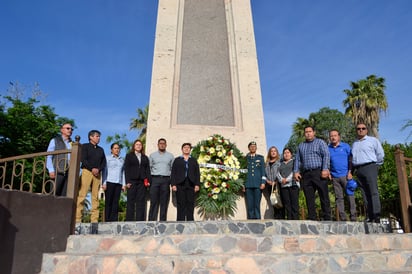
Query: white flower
column 214, row 196
column 216, row 190
column 211, row 150
column 206, row 184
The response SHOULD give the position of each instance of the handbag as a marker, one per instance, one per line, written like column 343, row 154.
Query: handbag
column 275, row 199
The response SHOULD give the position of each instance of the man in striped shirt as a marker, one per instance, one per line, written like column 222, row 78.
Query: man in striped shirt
column 312, row 165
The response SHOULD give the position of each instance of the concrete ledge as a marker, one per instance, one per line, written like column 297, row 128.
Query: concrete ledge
column 261, row 227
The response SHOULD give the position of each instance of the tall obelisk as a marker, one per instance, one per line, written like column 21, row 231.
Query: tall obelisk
column 205, row 77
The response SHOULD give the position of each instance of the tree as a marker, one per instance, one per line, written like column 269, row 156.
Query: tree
column 26, row 127
column 323, row 121
column 121, row 140
column 365, row 101
column 141, row 122
column 406, row 125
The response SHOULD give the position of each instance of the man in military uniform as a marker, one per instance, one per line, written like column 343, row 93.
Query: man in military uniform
column 256, row 181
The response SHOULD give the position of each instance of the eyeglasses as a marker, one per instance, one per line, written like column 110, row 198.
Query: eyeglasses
column 69, row 128
column 361, row 128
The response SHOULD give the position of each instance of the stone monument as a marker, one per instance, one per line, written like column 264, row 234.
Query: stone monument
column 205, row 77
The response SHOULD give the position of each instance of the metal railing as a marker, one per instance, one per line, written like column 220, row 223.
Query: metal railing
column 29, row 173
column 404, row 171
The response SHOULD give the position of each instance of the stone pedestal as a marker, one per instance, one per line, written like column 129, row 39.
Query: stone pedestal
column 205, row 77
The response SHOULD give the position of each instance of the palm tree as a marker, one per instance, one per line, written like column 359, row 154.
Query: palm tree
column 140, row 122
column 365, row 101
column 405, row 126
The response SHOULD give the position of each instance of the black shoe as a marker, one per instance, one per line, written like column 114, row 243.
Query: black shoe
column 93, row 228
column 376, row 220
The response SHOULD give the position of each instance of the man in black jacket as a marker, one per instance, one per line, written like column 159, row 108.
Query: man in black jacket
column 185, row 181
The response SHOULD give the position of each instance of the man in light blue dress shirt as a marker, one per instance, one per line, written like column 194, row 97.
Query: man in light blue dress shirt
column 367, row 155
column 58, row 165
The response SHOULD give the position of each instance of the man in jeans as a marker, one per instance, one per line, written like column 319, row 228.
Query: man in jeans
column 340, row 173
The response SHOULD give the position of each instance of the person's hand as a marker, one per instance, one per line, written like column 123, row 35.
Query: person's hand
column 197, row 188
column 52, row 175
column 123, row 188
column 284, row 181
column 324, row 174
column 262, row 186
column 128, row 185
column 243, row 189
column 174, row 188
column 297, row 176
column 95, row 172
column 349, row 177
column 104, row 187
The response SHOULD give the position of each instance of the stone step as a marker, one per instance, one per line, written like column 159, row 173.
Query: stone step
column 261, row 227
column 235, row 244
column 361, row 262
column 259, row 246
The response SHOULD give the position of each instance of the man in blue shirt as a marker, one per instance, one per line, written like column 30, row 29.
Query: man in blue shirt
column 367, row 155
column 312, row 159
column 340, row 173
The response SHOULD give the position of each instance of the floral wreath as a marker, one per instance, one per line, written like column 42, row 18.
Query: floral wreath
column 221, row 177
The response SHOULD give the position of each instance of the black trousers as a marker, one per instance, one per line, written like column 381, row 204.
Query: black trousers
column 61, row 184
column 136, row 202
column 290, row 199
column 368, row 180
column 159, row 197
column 312, row 182
column 111, row 206
column 185, row 200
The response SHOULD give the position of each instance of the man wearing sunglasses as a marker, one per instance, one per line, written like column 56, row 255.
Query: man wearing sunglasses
column 58, row 164
column 367, row 155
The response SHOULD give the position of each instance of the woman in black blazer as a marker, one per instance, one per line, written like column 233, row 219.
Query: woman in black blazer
column 185, row 181
column 136, row 170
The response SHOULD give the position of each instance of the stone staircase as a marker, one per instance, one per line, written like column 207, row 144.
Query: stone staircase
column 266, row 246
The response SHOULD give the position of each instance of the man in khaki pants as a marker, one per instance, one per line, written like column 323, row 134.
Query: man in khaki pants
column 93, row 162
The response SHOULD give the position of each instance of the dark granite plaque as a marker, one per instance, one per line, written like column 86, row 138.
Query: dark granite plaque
column 205, row 90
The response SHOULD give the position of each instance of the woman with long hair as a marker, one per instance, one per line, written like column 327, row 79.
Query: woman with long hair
column 137, row 171
column 271, row 169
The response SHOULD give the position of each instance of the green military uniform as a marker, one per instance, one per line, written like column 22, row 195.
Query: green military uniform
column 255, row 178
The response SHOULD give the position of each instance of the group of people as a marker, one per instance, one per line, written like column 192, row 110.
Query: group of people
column 159, row 172
column 314, row 165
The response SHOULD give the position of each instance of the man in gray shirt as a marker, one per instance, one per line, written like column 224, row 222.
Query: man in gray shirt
column 160, row 165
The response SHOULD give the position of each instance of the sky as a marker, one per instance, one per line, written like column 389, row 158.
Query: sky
column 93, row 59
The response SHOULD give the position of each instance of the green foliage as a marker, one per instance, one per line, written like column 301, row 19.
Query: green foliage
column 408, row 124
column 220, row 178
column 323, row 121
column 365, row 101
column 122, row 140
column 140, row 123
column 26, row 127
